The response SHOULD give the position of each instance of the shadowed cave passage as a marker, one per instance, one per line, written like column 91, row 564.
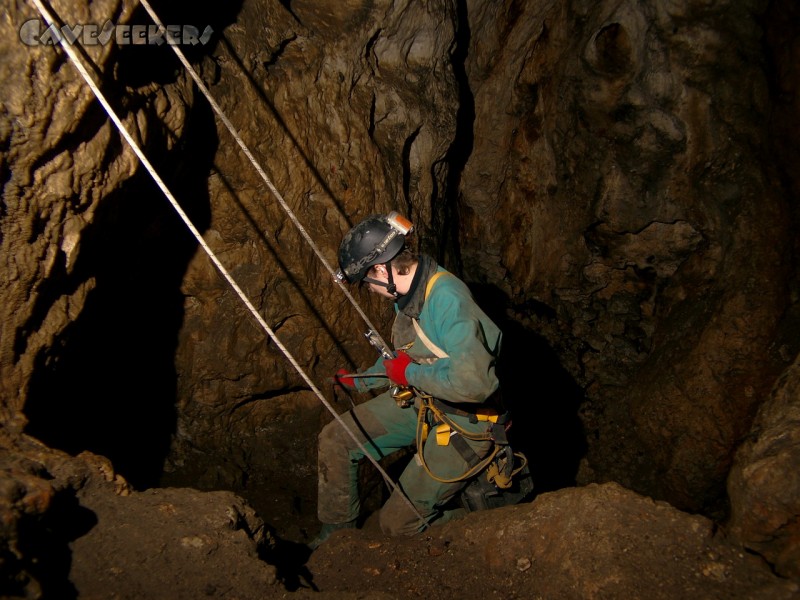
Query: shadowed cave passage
column 542, row 397
column 108, row 383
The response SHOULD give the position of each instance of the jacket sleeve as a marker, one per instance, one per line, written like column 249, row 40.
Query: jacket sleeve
column 369, row 383
column 472, row 342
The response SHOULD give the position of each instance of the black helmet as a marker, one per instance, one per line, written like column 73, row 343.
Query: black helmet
column 376, row 240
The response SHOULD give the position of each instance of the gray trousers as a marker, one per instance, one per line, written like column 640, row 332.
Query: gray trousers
column 389, row 429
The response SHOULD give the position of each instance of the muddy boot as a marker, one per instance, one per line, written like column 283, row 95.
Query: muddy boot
column 326, row 531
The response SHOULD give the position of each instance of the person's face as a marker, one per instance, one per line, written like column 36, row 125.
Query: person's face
column 379, row 273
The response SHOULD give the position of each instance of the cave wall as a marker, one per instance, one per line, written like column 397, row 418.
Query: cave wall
column 764, row 484
column 329, row 99
column 55, row 170
column 602, row 170
column 620, row 193
column 92, row 256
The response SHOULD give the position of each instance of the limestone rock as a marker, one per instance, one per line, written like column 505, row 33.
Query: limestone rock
column 596, row 169
column 610, row 200
column 62, row 160
column 764, row 484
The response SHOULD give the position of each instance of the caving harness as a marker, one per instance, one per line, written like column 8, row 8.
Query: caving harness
column 434, row 415
column 501, row 465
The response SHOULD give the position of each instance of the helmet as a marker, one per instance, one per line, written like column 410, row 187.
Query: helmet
column 376, row 240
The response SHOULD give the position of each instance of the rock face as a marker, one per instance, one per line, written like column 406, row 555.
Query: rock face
column 91, row 256
column 605, row 175
column 619, row 204
column 764, row 486
column 589, row 168
column 72, row 527
column 57, row 166
column 345, row 125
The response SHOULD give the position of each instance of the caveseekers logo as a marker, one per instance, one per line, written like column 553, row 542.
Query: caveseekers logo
column 37, row 33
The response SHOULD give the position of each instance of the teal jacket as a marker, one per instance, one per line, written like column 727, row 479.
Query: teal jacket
column 452, row 321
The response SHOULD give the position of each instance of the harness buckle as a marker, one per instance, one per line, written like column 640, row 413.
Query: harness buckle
column 403, row 396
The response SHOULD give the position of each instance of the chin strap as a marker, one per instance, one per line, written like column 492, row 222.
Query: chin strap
column 389, row 285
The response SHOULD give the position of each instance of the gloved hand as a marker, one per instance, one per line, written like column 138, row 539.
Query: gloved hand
column 396, row 367
column 345, row 382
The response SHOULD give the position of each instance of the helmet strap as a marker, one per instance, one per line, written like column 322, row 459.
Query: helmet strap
column 391, row 288
column 389, row 285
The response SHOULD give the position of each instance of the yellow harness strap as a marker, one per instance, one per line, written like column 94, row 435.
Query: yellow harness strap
column 437, row 352
column 432, row 280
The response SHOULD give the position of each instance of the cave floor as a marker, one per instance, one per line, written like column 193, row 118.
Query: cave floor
column 592, row 542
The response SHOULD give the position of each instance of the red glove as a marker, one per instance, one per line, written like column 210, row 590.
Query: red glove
column 396, row 367
column 345, row 382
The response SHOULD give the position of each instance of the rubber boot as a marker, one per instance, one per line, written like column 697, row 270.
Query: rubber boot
column 326, row 531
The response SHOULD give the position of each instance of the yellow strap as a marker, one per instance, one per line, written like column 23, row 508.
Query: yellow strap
column 432, row 280
column 443, row 434
column 487, row 413
column 424, row 432
column 437, row 352
column 494, row 476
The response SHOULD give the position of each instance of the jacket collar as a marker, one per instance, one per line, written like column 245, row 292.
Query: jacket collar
column 411, row 303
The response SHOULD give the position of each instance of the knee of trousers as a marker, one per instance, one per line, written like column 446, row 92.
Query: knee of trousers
column 333, row 438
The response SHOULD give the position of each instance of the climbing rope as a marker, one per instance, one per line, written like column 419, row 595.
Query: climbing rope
column 278, row 196
column 78, row 63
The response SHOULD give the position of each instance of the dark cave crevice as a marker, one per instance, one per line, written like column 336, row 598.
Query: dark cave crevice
column 445, row 208
column 275, row 56
column 114, row 363
column 542, row 396
column 43, row 551
column 406, row 159
column 368, row 49
column 108, row 384
column 371, row 126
